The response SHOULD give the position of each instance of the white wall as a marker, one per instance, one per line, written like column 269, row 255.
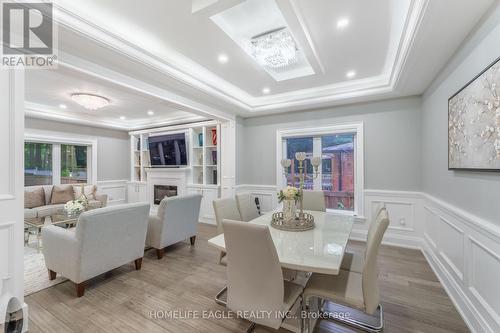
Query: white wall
column 476, row 192
column 392, row 142
column 461, row 208
column 113, row 147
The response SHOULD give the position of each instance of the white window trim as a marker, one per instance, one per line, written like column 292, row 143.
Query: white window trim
column 359, row 177
column 59, row 138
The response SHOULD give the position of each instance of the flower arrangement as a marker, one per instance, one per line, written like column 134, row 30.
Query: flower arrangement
column 289, row 193
column 74, row 206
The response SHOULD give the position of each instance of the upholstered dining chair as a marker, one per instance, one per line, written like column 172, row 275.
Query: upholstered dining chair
column 314, row 200
column 355, row 262
column 352, row 289
column 225, row 209
column 255, row 278
column 247, row 206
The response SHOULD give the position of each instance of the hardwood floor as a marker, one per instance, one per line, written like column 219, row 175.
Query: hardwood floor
column 187, row 278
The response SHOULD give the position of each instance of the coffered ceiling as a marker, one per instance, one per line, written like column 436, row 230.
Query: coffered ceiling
column 191, row 53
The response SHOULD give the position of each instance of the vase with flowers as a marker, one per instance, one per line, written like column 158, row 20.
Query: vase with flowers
column 74, row 207
column 289, row 197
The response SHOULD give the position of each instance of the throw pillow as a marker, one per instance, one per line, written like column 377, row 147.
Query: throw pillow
column 62, row 194
column 34, row 198
column 89, row 191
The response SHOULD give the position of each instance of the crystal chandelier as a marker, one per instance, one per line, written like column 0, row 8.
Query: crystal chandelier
column 90, row 101
column 274, row 49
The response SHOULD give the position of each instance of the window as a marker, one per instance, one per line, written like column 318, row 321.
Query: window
column 337, row 176
column 73, row 164
column 37, row 164
column 49, row 163
column 341, row 171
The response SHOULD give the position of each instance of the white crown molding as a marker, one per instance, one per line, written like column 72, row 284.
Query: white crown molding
column 40, row 111
column 89, row 68
column 178, row 68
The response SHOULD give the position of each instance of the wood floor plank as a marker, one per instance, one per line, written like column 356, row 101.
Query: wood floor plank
column 188, row 277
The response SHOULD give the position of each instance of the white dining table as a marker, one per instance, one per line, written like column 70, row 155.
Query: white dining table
column 319, row 250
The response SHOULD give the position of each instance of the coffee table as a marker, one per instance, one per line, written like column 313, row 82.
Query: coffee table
column 59, row 218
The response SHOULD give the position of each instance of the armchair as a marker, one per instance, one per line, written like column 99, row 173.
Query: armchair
column 103, row 239
column 177, row 220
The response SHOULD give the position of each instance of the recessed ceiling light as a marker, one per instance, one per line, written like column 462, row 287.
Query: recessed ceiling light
column 123, row 118
column 151, row 113
column 266, row 90
column 223, row 58
column 342, row 23
column 350, row 74
column 63, row 106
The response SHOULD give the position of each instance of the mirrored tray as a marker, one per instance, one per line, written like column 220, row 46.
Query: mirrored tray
column 302, row 222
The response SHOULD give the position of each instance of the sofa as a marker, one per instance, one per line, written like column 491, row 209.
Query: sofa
column 41, row 204
column 103, row 239
column 176, row 220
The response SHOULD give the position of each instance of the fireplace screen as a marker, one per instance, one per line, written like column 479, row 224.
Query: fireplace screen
column 162, row 191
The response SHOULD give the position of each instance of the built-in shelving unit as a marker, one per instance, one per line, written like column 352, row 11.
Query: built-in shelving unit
column 140, row 157
column 205, row 155
column 203, row 174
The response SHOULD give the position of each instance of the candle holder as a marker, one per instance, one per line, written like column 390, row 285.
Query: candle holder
column 303, row 221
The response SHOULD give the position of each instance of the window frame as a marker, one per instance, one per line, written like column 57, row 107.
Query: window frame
column 56, row 140
column 356, row 128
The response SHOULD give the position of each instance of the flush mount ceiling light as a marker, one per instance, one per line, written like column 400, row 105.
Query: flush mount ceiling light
column 90, row 101
column 274, row 49
column 342, row 23
column 350, row 74
column 223, row 58
column 266, row 90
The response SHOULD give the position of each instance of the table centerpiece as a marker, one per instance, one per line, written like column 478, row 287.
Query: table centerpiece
column 288, row 219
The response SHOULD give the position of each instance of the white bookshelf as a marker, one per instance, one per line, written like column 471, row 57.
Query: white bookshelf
column 140, row 157
column 205, row 155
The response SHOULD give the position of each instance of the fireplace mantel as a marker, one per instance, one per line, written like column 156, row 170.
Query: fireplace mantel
column 166, row 176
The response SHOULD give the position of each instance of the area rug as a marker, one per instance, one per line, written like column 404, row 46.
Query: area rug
column 36, row 277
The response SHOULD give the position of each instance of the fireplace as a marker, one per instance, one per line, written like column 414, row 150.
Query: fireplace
column 162, row 191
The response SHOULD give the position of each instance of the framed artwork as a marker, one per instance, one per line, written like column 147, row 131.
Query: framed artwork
column 474, row 123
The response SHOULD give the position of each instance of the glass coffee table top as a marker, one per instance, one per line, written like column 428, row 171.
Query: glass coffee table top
column 59, row 218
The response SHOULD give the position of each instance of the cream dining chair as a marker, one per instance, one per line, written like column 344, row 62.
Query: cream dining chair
column 249, row 211
column 354, row 262
column 352, row 289
column 225, row 209
column 256, row 284
column 247, row 206
column 314, row 200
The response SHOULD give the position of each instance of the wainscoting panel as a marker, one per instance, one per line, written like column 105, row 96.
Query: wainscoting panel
column 265, row 193
column 115, row 189
column 451, row 246
column 405, row 210
column 6, row 241
column 464, row 252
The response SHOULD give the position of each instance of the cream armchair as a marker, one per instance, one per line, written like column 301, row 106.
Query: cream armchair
column 103, row 239
column 177, row 220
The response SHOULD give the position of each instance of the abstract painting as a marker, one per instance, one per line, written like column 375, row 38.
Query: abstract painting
column 474, row 123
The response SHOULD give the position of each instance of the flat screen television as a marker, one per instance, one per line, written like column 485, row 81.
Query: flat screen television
column 168, row 150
